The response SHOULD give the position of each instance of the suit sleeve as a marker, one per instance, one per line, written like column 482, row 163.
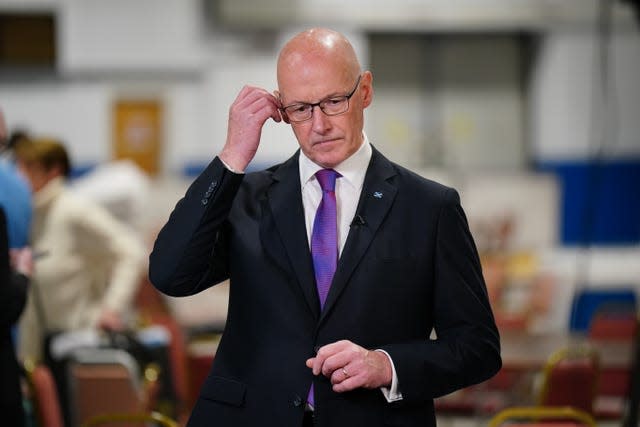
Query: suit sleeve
column 467, row 348
column 190, row 252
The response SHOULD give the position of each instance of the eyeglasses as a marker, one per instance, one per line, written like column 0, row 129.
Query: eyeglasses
column 332, row 106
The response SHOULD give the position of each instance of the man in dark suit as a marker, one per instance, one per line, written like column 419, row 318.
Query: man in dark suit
column 341, row 263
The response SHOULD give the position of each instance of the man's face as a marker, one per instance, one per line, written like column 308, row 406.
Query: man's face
column 327, row 140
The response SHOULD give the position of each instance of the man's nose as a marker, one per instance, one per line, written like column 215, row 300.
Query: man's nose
column 320, row 121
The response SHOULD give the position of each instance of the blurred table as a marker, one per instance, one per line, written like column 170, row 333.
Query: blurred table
column 531, row 351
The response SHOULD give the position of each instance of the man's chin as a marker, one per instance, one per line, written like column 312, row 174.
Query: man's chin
column 327, row 160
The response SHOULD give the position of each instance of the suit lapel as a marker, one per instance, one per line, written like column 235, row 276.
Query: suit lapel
column 283, row 231
column 377, row 197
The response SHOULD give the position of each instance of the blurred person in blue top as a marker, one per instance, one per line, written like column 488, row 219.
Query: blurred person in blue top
column 16, row 267
column 15, row 194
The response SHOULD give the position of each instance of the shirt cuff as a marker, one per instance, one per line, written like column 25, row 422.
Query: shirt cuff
column 392, row 394
column 230, row 168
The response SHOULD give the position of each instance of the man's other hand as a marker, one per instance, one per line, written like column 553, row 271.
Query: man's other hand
column 350, row 366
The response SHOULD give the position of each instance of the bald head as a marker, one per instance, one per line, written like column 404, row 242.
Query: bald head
column 318, row 46
column 316, row 69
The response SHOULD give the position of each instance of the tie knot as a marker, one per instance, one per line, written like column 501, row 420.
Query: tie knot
column 327, row 179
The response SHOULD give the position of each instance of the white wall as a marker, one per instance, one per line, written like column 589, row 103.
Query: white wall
column 482, row 104
column 121, row 34
column 80, row 114
column 454, row 101
column 77, row 113
column 566, row 87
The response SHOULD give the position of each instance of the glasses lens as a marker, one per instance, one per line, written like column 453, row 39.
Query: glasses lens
column 335, row 106
column 300, row 112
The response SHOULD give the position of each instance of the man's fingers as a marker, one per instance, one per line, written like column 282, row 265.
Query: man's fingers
column 276, row 116
column 318, row 361
column 348, row 384
column 335, row 362
column 252, row 95
column 325, row 353
column 349, row 366
column 334, row 356
column 339, row 375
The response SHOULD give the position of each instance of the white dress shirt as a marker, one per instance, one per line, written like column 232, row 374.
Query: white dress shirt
column 348, row 189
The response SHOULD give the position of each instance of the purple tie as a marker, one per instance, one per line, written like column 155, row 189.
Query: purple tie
column 324, row 240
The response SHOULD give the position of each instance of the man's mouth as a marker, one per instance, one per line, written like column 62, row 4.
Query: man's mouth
column 325, row 141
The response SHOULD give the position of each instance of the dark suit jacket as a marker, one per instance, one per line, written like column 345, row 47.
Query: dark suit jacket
column 13, row 295
column 409, row 266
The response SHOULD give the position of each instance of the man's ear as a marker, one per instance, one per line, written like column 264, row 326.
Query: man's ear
column 367, row 88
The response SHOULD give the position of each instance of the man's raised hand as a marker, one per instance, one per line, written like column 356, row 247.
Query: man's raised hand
column 247, row 115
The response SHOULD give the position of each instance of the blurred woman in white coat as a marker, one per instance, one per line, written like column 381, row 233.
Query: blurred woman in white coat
column 88, row 265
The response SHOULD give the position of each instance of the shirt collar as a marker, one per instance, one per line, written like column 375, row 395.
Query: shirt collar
column 352, row 169
column 50, row 191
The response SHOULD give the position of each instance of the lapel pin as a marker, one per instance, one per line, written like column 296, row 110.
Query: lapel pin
column 377, row 195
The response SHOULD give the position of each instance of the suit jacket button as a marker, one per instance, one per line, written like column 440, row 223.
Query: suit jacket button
column 297, row 401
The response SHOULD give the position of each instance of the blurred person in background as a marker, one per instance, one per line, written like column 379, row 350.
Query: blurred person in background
column 15, row 196
column 88, row 265
column 16, row 266
column 302, row 346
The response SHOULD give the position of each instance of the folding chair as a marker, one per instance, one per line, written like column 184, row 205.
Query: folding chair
column 113, row 420
column 541, row 416
column 45, row 395
column 587, row 302
column 108, row 381
column 570, row 378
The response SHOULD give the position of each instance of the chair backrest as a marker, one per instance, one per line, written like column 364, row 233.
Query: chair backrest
column 587, row 302
column 130, row 419
column 618, row 325
column 531, row 416
column 101, row 389
column 570, row 378
column 104, row 381
column 45, row 395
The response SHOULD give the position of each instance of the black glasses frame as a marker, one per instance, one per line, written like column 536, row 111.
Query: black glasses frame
column 319, row 104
